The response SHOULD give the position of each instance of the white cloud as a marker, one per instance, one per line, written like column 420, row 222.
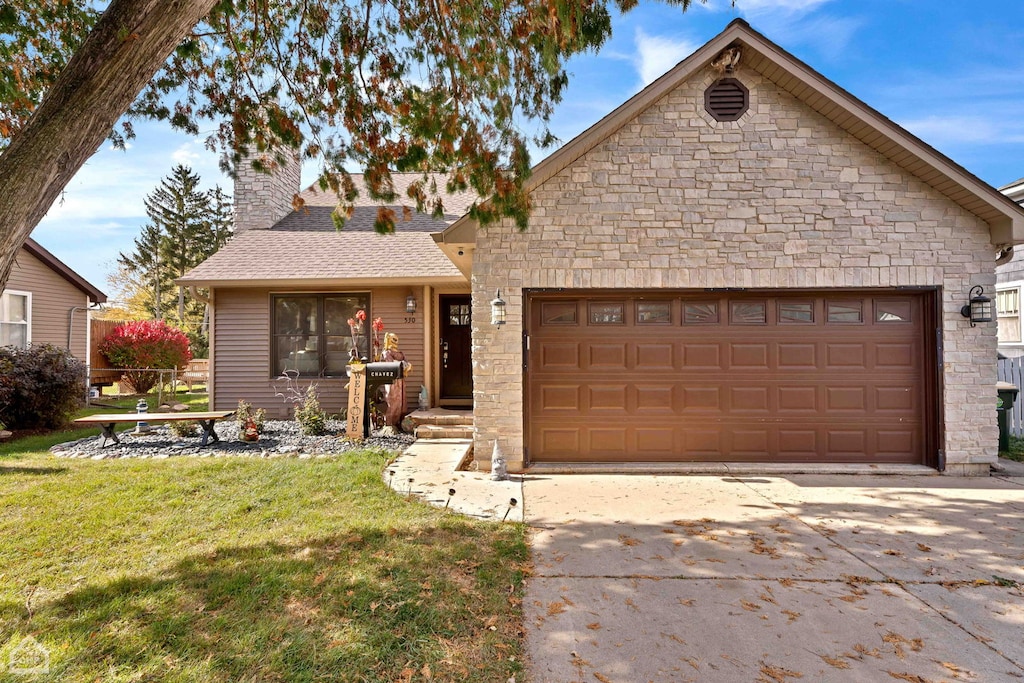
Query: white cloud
column 657, row 54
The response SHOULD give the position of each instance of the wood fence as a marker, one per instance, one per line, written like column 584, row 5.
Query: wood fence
column 1012, row 370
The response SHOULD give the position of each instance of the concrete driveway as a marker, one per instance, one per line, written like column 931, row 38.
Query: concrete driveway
column 775, row 579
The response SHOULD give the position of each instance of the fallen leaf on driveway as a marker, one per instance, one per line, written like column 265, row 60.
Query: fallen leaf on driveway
column 835, row 661
column 923, row 548
column 629, row 540
column 596, row 626
column 602, row 678
column 913, row 678
column 860, row 649
column 793, row 616
column 555, row 608
column 777, row 674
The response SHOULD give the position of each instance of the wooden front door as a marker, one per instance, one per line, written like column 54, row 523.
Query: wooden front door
column 456, row 358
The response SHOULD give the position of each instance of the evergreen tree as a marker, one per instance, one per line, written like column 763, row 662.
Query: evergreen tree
column 186, row 226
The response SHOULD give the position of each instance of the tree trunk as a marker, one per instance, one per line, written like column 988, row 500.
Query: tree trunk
column 129, row 43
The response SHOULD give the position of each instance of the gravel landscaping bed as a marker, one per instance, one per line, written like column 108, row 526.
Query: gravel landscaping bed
column 280, row 438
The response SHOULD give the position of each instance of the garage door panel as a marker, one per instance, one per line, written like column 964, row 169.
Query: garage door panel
column 749, row 356
column 608, row 397
column 895, row 355
column 749, row 399
column 900, row 399
column 801, row 443
column 799, row 387
column 846, row 441
column 839, row 399
column 559, row 442
column 794, row 356
column 559, row 398
column 705, row 399
column 660, row 399
column 702, row 357
column 746, row 442
column 845, row 356
column 798, row 399
column 894, row 442
column 658, row 357
column 607, row 356
column 559, row 355
column 612, row 441
column 655, row 441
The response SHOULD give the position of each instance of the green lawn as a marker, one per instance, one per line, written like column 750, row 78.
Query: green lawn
column 231, row 569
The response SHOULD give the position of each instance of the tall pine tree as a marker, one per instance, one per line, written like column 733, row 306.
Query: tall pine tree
column 186, row 226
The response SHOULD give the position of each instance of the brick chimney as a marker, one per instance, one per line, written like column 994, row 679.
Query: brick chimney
column 262, row 199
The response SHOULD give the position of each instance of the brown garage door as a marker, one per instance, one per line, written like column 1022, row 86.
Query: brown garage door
column 835, row 376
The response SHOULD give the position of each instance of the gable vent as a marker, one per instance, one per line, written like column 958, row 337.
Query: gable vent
column 726, row 99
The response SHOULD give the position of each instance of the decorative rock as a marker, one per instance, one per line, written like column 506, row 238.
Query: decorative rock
column 281, row 438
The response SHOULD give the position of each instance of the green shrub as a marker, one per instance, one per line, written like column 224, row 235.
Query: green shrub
column 246, row 412
column 146, row 344
column 40, row 387
column 311, row 417
column 184, row 428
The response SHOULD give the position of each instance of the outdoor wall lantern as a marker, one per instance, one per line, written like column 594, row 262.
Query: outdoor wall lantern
column 498, row 310
column 410, row 304
column 979, row 310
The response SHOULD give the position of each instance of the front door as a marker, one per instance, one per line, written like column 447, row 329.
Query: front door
column 456, row 359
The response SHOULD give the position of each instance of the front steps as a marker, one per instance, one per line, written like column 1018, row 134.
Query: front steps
column 440, row 423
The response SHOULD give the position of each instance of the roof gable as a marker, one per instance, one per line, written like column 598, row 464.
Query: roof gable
column 62, row 269
column 1004, row 217
column 305, row 248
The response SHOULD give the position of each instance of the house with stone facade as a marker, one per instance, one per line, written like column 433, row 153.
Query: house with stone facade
column 741, row 264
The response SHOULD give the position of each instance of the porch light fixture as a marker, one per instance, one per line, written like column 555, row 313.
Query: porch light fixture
column 498, row 310
column 410, row 304
column 979, row 309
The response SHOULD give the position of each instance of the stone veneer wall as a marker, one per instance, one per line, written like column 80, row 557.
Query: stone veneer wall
column 262, row 199
column 781, row 198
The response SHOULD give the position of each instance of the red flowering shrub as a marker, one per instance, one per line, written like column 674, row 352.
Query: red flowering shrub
column 146, row 344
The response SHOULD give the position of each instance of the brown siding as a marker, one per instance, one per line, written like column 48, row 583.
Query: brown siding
column 241, row 348
column 52, row 299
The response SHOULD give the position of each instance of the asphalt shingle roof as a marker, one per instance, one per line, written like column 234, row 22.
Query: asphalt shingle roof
column 305, row 245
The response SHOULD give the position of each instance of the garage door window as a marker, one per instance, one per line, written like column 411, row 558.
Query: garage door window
column 654, row 313
column 844, row 311
column 796, row 313
column 606, row 314
column 892, row 311
column 700, row 313
column 558, row 313
column 749, row 313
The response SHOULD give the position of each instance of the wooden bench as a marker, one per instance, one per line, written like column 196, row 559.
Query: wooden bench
column 196, row 372
column 205, row 419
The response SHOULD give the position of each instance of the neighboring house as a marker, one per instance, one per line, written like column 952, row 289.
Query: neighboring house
column 46, row 302
column 742, row 263
column 1009, row 282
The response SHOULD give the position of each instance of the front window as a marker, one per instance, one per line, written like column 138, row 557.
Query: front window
column 312, row 335
column 16, row 319
column 1008, row 314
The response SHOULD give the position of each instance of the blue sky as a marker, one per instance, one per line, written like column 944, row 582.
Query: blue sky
column 951, row 72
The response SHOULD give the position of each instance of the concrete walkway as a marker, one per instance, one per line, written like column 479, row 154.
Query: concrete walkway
column 763, row 578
